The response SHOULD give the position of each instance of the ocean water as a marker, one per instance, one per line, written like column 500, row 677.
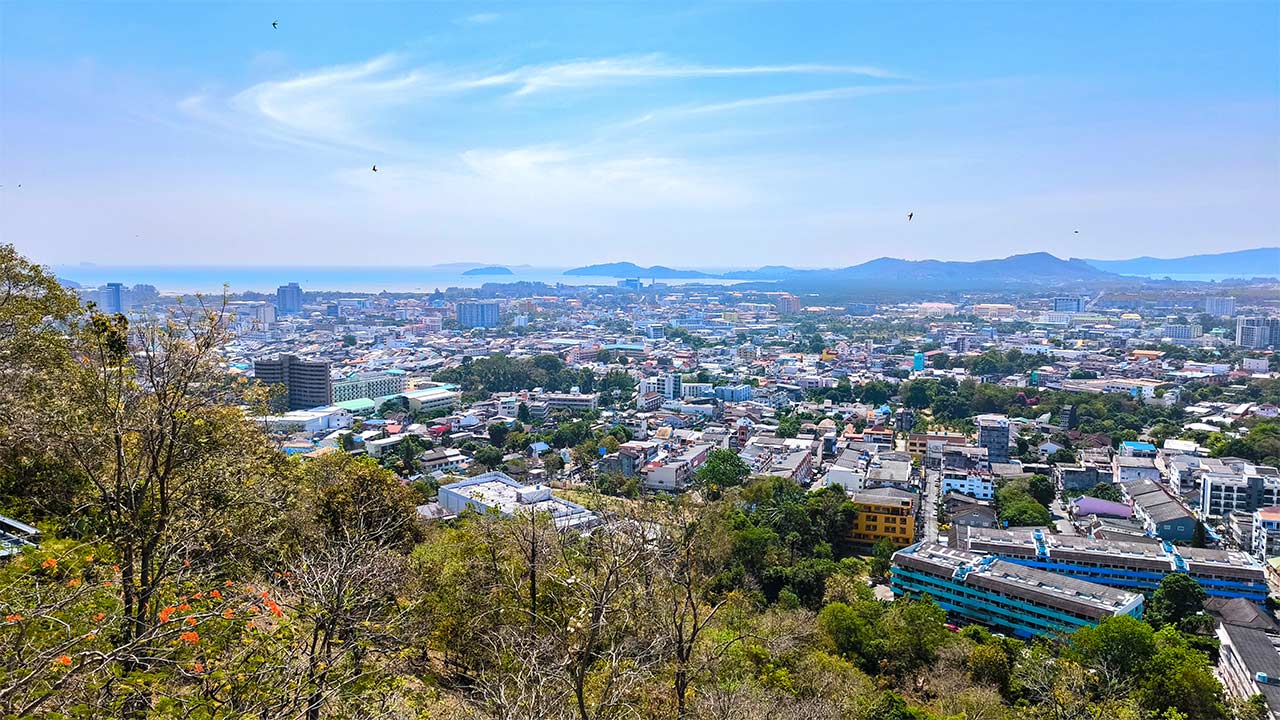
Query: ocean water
column 354, row 279
column 1212, row 277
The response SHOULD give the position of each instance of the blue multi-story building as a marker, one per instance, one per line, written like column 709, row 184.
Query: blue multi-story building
column 735, row 393
column 1006, row 595
column 477, row 314
column 1137, row 566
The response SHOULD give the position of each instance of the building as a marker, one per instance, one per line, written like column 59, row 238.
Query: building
column 675, row 473
column 993, row 435
column 498, row 492
column 1135, row 566
column 576, row 402
column 918, row 443
column 369, row 385
column 1220, row 306
column 884, row 513
column 440, row 398
column 113, row 299
column 974, row 484
column 735, row 393
column 1160, row 513
column 787, row 304
column 289, row 299
column 1258, row 332
column 252, row 314
column 307, row 382
column 16, row 536
column 847, row 471
column 668, row 385
column 1068, row 304
column 477, row 314
column 1266, row 533
column 443, row 460
column 1127, row 469
column 1223, row 493
column 1006, row 595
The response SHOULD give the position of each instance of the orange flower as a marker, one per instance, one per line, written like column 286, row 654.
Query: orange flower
column 228, row 583
column 198, row 667
column 184, row 607
column 165, row 613
column 12, row 618
column 228, row 613
column 73, row 582
column 263, row 594
column 49, row 563
column 274, row 608
column 186, row 563
column 91, row 636
column 252, row 610
column 88, row 558
column 190, row 621
column 197, row 596
column 98, row 617
column 190, row 637
column 107, row 584
column 215, row 594
column 64, row 660
column 116, row 568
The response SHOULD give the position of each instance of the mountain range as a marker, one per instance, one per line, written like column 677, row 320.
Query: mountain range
column 1029, row 268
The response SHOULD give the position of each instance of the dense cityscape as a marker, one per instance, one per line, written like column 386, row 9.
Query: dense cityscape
column 695, row 360
column 1036, row 466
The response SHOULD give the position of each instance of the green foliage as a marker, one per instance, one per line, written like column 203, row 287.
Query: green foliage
column 1106, row 491
column 788, row 427
column 722, row 469
column 1178, row 598
column 1042, row 489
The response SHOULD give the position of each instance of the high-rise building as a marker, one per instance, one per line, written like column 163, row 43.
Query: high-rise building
column 1068, row 304
column 1220, row 306
column 787, row 304
column 113, row 299
column 477, row 314
column 993, row 434
column 1257, row 332
column 289, row 298
column 668, row 385
column 307, row 381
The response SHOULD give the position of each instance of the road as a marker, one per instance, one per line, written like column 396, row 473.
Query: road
column 1060, row 520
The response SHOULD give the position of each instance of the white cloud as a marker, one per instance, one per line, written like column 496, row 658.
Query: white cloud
column 483, row 18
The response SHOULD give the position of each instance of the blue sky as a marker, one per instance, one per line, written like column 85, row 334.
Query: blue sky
column 720, row 134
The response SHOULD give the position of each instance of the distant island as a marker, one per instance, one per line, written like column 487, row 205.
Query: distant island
column 489, row 270
column 631, row 270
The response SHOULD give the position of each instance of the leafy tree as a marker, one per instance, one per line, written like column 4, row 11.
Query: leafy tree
column 1106, row 491
column 881, row 557
column 523, row 414
column 788, row 427
column 1177, row 598
column 488, row 456
column 722, row 469
column 498, row 432
column 1042, row 489
column 1119, row 647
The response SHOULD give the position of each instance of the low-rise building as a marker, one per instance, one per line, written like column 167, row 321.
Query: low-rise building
column 1005, row 595
column 884, row 513
column 496, row 491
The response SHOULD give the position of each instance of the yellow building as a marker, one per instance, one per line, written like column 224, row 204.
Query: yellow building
column 918, row 443
column 884, row 513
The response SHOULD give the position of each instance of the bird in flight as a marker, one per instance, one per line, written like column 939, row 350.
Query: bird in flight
column 910, row 215
column 1077, row 232
column 375, row 168
column 275, row 25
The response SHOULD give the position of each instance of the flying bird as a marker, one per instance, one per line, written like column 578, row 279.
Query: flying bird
column 275, row 25
column 375, row 168
column 910, row 215
column 1077, row 232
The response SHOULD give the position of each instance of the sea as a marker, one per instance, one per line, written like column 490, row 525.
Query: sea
column 191, row 279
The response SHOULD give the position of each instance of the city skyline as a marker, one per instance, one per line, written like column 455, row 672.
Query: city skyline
column 701, row 137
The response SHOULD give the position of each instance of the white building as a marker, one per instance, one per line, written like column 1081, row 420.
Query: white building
column 973, row 484
column 499, row 492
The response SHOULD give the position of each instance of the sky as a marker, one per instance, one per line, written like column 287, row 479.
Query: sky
column 727, row 134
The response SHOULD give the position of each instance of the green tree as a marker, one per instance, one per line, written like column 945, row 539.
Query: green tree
column 1042, row 489
column 722, row 469
column 882, row 557
column 498, row 432
column 788, row 427
column 1177, row 598
column 523, row 414
column 488, row 456
column 1121, row 646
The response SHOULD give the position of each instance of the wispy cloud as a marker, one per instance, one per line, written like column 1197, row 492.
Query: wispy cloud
column 349, row 105
column 483, row 18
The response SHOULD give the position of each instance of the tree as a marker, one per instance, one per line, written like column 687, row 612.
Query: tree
column 1118, row 648
column 882, row 556
column 523, row 414
column 498, row 433
column 722, row 469
column 1177, row 598
column 1106, row 491
column 788, row 427
column 488, row 456
column 1199, row 536
column 1042, row 489
column 939, row 361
